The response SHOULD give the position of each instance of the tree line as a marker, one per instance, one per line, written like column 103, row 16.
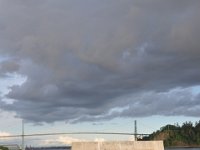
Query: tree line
column 187, row 135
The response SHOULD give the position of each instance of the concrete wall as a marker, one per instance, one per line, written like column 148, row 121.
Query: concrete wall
column 123, row 145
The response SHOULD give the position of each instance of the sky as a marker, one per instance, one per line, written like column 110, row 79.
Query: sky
column 97, row 65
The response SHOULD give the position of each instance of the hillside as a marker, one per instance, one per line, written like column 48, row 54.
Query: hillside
column 187, row 135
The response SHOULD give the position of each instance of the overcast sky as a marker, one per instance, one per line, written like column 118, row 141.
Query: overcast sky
column 96, row 60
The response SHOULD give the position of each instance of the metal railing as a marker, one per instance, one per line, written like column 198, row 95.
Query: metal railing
column 73, row 133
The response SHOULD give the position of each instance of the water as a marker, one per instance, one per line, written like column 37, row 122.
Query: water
column 68, row 148
column 182, row 148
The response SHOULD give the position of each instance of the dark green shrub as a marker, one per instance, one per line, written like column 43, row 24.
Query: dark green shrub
column 3, row 148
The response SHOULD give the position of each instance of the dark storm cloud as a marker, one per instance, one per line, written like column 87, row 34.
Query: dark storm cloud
column 82, row 59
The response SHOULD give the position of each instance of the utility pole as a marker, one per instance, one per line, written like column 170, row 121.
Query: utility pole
column 135, row 130
column 168, row 129
column 22, row 134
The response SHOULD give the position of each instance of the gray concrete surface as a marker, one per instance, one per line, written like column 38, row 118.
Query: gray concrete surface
column 119, row 145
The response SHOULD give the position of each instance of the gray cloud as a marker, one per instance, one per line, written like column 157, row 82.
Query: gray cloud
column 81, row 59
column 8, row 67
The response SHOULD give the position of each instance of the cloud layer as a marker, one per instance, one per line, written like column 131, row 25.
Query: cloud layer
column 83, row 59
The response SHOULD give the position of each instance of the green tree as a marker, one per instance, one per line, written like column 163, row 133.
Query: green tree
column 175, row 135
